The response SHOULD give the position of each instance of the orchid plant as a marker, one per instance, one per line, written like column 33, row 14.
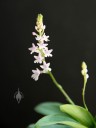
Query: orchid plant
column 57, row 115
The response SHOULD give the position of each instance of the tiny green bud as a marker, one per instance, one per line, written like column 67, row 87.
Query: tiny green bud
column 84, row 71
column 84, row 66
column 39, row 19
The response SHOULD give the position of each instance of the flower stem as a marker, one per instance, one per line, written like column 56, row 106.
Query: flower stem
column 83, row 93
column 60, row 88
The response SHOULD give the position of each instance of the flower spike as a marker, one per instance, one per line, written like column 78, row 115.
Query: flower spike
column 42, row 52
column 86, row 76
column 41, row 49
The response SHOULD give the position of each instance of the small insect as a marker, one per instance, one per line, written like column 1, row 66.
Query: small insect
column 18, row 96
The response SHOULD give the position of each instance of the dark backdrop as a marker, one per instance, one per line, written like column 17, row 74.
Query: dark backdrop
column 71, row 25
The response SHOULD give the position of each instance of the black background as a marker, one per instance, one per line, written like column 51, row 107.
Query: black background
column 71, row 25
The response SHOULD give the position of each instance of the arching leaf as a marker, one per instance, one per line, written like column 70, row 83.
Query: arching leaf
column 51, row 126
column 58, row 119
column 48, row 108
column 78, row 113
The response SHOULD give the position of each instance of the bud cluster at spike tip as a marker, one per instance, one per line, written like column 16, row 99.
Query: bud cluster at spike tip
column 84, row 70
column 40, row 49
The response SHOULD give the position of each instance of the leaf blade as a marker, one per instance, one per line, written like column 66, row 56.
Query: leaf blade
column 74, row 124
column 78, row 113
column 48, row 108
column 58, row 119
column 50, row 126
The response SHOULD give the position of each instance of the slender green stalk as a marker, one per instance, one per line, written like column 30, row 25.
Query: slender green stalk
column 60, row 88
column 83, row 93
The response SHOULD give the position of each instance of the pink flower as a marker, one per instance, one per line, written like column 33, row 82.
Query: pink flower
column 45, row 67
column 35, row 74
column 48, row 52
column 38, row 58
column 42, row 45
column 33, row 48
column 42, row 38
column 45, row 38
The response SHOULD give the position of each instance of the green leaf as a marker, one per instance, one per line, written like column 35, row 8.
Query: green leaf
column 31, row 126
column 51, row 126
column 58, row 119
column 74, row 124
column 48, row 108
column 78, row 113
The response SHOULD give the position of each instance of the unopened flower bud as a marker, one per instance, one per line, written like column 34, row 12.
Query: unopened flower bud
column 84, row 66
column 39, row 20
column 84, row 70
